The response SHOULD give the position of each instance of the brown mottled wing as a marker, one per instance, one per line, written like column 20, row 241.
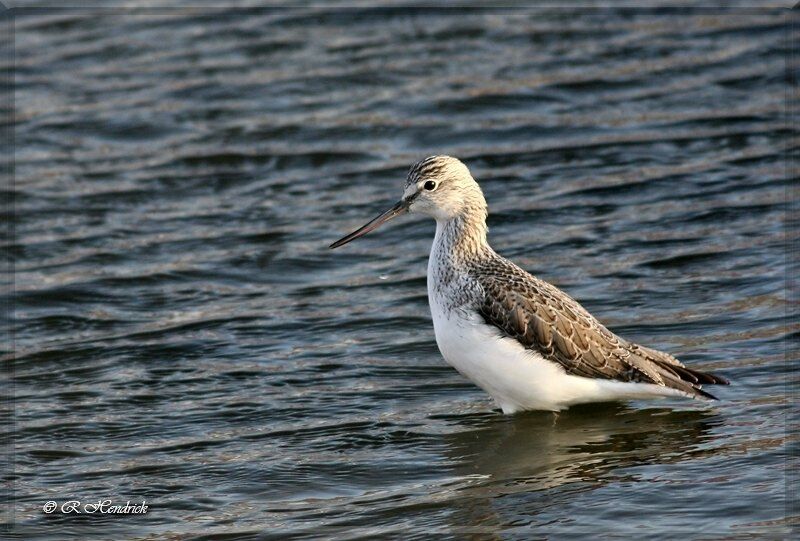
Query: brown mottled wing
column 543, row 318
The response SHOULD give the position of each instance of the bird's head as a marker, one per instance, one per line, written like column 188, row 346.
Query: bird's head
column 438, row 186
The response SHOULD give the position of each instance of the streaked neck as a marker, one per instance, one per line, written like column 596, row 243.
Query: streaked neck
column 462, row 238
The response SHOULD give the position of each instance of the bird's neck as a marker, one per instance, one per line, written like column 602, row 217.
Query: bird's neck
column 461, row 239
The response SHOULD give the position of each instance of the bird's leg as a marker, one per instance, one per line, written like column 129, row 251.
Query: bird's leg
column 555, row 417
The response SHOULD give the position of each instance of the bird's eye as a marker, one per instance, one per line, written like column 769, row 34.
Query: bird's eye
column 429, row 185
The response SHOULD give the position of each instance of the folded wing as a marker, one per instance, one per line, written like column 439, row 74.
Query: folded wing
column 543, row 318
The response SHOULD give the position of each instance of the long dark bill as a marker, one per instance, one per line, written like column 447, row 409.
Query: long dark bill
column 401, row 207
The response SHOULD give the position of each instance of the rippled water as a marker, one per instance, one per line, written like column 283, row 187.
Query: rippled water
column 184, row 336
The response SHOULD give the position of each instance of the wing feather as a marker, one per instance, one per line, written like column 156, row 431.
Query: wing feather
column 544, row 319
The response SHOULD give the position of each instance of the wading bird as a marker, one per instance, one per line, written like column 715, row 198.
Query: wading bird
column 522, row 340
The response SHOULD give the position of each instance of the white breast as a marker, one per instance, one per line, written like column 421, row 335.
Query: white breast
column 517, row 379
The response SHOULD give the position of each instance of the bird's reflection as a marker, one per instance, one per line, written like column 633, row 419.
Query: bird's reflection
column 557, row 456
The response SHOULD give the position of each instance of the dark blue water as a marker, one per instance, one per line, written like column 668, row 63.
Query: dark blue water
column 183, row 336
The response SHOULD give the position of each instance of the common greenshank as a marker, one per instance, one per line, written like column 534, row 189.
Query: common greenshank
column 528, row 344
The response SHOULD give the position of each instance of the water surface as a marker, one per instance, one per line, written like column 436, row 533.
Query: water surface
column 184, row 336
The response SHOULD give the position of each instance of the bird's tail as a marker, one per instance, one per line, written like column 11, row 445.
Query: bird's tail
column 694, row 378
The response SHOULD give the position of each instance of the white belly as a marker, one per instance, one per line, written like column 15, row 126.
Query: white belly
column 517, row 378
